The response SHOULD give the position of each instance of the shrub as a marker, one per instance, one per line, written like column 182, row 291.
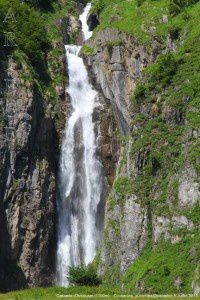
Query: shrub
column 40, row 3
column 139, row 92
column 176, row 6
column 162, row 71
column 174, row 32
column 83, row 275
column 140, row 2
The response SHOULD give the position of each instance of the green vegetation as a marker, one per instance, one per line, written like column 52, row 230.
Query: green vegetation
column 38, row 46
column 160, row 145
column 34, row 32
column 113, row 43
column 123, row 187
column 87, row 50
column 129, row 16
column 83, row 275
column 84, row 292
column 165, row 268
column 31, row 38
column 42, row 4
column 169, row 86
column 161, row 73
column 143, row 18
column 177, row 6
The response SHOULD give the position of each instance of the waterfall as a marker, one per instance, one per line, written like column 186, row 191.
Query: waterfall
column 81, row 183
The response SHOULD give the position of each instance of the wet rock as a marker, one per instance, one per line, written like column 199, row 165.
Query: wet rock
column 92, row 21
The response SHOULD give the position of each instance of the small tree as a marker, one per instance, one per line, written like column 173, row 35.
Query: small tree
column 83, row 275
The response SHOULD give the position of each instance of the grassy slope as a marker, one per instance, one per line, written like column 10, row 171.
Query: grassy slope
column 160, row 266
column 54, row 293
column 127, row 16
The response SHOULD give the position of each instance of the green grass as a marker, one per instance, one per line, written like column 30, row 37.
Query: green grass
column 87, row 50
column 74, row 293
column 157, row 268
column 142, row 18
column 127, row 16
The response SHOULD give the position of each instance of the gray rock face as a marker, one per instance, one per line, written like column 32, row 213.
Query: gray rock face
column 133, row 232
column 195, row 283
column 27, row 196
column 126, row 233
column 161, row 227
column 188, row 193
column 116, row 65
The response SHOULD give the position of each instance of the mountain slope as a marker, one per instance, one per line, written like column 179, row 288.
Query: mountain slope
column 145, row 57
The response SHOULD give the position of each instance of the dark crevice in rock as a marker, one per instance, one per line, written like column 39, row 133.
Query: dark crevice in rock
column 92, row 21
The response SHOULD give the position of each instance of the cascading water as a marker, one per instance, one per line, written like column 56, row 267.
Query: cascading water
column 81, row 183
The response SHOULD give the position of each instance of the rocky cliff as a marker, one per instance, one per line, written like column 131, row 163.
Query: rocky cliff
column 151, row 229
column 33, row 113
column 27, row 186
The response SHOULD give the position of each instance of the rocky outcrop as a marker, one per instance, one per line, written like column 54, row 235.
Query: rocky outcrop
column 116, row 62
column 139, row 209
column 188, row 192
column 106, row 130
column 126, row 228
column 114, row 65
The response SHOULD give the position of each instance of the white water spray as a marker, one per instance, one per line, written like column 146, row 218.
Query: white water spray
column 83, row 18
column 80, row 177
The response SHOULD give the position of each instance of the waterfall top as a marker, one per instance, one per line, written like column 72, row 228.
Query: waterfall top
column 83, row 18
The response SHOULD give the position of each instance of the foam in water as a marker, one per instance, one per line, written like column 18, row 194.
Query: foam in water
column 80, row 176
column 83, row 18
